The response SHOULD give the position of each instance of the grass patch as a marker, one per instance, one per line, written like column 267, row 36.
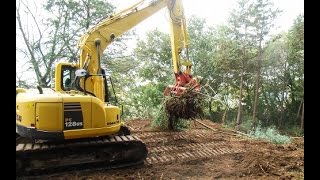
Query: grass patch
column 270, row 134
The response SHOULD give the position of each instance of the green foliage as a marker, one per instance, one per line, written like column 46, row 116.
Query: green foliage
column 295, row 73
column 148, row 72
column 283, row 78
column 246, row 124
column 154, row 57
column 293, row 131
column 270, row 134
column 201, row 47
column 161, row 121
column 182, row 124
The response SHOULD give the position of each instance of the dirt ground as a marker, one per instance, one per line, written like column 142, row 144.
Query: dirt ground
column 204, row 153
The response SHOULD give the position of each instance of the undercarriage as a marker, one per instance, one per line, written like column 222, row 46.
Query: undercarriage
column 108, row 152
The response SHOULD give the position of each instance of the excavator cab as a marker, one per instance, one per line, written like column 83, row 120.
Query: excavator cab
column 68, row 78
column 64, row 77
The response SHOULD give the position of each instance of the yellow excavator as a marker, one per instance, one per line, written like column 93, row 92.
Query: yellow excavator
column 76, row 125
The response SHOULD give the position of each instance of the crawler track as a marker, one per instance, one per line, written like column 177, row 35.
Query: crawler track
column 110, row 152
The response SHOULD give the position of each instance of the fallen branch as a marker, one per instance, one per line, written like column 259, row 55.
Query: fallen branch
column 241, row 133
column 262, row 168
column 297, row 137
column 216, row 130
column 205, row 125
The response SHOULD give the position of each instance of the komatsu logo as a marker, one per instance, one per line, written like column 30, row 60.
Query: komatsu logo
column 114, row 122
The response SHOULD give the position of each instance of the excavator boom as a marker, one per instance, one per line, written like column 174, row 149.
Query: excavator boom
column 114, row 26
column 105, row 32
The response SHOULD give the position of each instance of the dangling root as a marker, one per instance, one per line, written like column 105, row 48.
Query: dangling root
column 186, row 106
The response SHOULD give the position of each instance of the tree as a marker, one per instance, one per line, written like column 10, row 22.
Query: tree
column 48, row 39
column 240, row 25
column 274, row 87
column 250, row 24
column 151, row 71
column 263, row 15
column 295, row 72
column 226, row 69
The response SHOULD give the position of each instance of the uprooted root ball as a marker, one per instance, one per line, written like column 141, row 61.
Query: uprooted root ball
column 186, row 106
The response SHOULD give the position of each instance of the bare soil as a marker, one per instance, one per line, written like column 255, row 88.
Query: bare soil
column 203, row 153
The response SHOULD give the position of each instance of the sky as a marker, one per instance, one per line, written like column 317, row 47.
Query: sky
column 213, row 11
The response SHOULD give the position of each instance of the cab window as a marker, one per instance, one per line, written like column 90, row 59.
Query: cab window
column 68, row 77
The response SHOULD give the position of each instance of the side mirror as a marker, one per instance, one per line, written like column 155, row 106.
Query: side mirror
column 81, row 73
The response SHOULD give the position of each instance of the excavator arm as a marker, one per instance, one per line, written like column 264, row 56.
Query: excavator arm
column 178, row 33
column 179, row 43
column 95, row 41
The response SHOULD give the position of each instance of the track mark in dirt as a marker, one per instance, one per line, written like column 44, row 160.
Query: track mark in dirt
column 199, row 132
column 190, row 155
column 158, row 137
column 185, row 146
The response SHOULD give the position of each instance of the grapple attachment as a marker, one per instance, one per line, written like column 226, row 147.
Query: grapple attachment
column 184, row 82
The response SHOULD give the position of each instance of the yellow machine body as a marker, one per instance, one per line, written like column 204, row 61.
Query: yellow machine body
column 62, row 115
